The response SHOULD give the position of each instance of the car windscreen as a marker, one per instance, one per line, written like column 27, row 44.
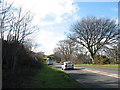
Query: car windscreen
column 69, row 63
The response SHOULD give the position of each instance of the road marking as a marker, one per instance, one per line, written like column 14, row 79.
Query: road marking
column 103, row 73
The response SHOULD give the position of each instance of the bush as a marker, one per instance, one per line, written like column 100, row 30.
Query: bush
column 102, row 59
column 112, row 61
column 18, row 64
column 16, row 55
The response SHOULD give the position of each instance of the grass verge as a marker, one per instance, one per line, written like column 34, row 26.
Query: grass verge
column 50, row 77
column 107, row 65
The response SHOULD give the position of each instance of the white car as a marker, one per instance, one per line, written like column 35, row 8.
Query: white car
column 67, row 65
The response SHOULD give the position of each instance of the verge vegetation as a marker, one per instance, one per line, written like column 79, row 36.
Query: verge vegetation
column 106, row 65
column 19, row 62
column 18, row 65
column 50, row 77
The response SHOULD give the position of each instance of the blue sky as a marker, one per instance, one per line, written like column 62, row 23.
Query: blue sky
column 99, row 9
column 54, row 17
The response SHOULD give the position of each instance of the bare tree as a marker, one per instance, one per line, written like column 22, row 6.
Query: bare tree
column 14, row 25
column 39, row 56
column 5, row 17
column 94, row 33
column 17, row 27
column 57, row 56
column 65, row 48
column 20, row 26
column 80, row 55
column 112, row 53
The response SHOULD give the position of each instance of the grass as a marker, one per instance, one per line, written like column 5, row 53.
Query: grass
column 107, row 65
column 50, row 77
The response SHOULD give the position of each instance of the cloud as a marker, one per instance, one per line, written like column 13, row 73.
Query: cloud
column 43, row 8
column 48, row 40
column 49, row 15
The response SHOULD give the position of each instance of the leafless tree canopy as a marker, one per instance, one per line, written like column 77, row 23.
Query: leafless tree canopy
column 14, row 23
column 4, row 17
column 15, row 26
column 112, row 53
column 94, row 33
column 65, row 48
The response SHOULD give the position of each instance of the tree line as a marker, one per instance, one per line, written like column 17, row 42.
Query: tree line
column 89, row 39
column 18, row 60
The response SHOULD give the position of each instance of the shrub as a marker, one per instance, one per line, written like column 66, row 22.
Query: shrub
column 18, row 64
column 15, row 56
column 102, row 59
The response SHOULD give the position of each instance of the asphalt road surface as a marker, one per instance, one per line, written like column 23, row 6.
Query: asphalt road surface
column 94, row 77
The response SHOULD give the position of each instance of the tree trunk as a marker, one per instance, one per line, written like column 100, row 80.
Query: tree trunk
column 93, row 61
column 92, row 57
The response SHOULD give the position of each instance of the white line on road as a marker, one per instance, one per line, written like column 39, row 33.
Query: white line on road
column 103, row 73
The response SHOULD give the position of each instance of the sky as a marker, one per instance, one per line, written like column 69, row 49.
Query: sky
column 54, row 17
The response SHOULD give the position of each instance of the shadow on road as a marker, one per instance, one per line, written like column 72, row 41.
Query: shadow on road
column 74, row 69
column 94, row 81
column 91, row 80
column 71, row 69
column 79, row 68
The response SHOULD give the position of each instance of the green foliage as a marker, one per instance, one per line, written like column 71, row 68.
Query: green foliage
column 112, row 61
column 50, row 56
column 102, row 59
column 50, row 77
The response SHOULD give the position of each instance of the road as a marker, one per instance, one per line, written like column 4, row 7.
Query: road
column 94, row 77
